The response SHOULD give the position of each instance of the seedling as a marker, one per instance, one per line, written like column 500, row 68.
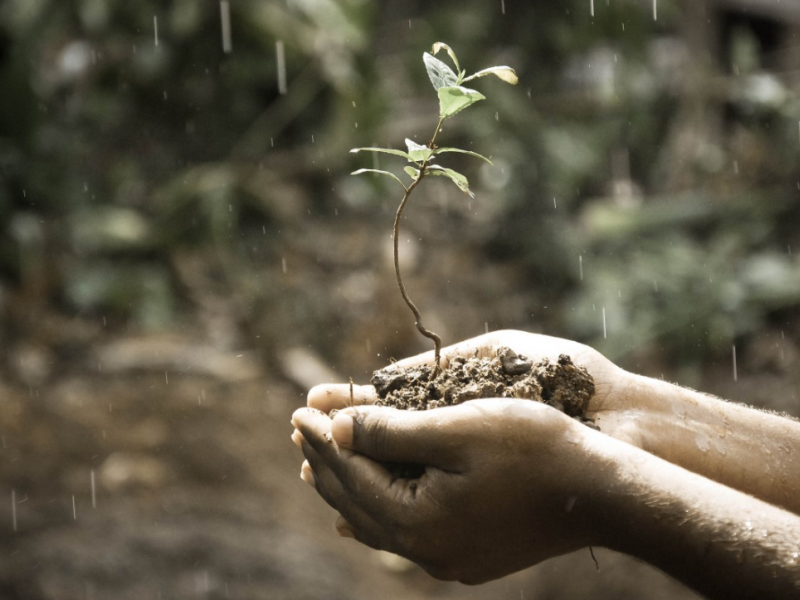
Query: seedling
column 453, row 98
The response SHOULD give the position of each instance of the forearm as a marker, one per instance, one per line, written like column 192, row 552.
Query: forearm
column 720, row 542
column 749, row 450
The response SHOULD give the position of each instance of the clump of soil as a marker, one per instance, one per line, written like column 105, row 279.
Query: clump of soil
column 561, row 384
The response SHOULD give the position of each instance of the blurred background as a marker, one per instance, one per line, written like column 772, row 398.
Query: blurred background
column 183, row 253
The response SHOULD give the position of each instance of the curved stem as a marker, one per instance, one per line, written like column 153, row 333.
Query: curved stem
column 437, row 341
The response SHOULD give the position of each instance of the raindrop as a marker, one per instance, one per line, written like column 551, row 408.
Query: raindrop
column 155, row 28
column 655, row 10
column 486, row 326
column 165, row 94
column 605, row 332
column 554, row 202
column 591, row 7
column 24, row 194
column 580, row 265
column 736, row 167
column 74, row 511
column 166, row 377
column 735, row 376
column 225, row 17
column 280, row 56
column 503, row 6
column 283, row 265
column 94, row 488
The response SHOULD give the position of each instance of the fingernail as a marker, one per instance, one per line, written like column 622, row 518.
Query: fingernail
column 307, row 475
column 298, row 438
column 346, row 532
column 342, row 429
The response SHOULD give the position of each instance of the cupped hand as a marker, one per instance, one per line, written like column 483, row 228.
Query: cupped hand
column 507, row 483
column 613, row 407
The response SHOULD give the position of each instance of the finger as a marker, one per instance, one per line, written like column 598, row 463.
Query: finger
column 360, row 480
column 297, row 438
column 432, row 438
column 337, row 396
column 307, row 474
column 343, row 528
column 363, row 526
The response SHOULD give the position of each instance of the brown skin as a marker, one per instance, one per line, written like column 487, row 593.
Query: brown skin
column 509, row 483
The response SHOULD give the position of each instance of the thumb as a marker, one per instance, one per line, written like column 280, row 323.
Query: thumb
column 391, row 435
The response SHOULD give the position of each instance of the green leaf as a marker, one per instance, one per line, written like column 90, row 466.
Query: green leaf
column 507, row 74
column 417, row 152
column 460, row 151
column 384, row 150
column 379, row 172
column 412, row 172
column 453, row 100
column 442, row 46
column 454, row 176
column 440, row 74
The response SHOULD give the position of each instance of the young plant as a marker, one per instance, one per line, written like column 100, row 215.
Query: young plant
column 453, row 98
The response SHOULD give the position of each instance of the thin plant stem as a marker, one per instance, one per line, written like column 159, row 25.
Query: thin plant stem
column 437, row 341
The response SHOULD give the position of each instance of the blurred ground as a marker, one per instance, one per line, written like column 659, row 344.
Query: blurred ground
column 143, row 468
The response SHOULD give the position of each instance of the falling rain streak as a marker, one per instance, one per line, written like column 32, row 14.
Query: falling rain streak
column 655, row 10
column 225, row 18
column 580, row 266
column 155, row 28
column 94, row 490
column 605, row 332
column 591, row 7
column 735, row 375
column 280, row 56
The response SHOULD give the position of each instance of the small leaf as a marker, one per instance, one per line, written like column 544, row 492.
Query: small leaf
column 442, row 46
column 453, row 100
column 460, row 151
column 439, row 73
column 417, row 152
column 507, row 74
column 379, row 172
column 454, row 176
column 412, row 172
column 384, row 150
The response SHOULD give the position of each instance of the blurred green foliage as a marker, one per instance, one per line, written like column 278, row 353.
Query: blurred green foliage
column 117, row 153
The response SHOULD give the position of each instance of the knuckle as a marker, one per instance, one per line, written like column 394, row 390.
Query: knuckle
column 376, row 438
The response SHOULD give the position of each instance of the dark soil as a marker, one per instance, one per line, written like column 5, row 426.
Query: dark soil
column 561, row 384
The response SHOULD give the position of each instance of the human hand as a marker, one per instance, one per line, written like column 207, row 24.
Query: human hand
column 507, row 483
column 613, row 408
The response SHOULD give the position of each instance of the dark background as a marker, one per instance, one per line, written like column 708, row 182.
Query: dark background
column 183, row 253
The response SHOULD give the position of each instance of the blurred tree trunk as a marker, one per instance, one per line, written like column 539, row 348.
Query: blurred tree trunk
column 697, row 126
